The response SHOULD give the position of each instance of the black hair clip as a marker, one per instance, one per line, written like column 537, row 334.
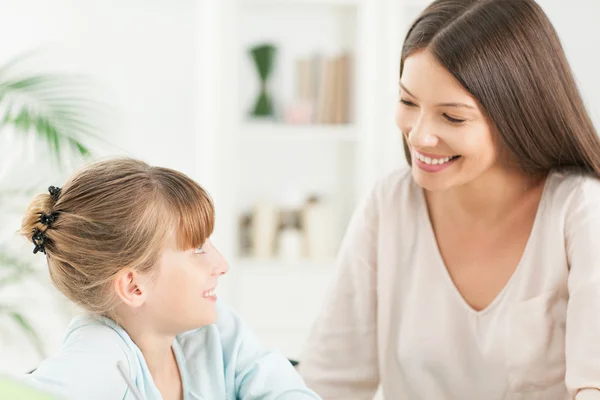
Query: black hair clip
column 54, row 192
column 38, row 238
column 48, row 219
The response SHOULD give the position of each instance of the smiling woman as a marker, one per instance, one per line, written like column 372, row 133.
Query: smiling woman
column 442, row 124
column 476, row 273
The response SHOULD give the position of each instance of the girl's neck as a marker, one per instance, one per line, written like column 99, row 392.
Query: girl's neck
column 157, row 349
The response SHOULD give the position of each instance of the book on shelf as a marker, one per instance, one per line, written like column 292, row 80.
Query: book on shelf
column 323, row 88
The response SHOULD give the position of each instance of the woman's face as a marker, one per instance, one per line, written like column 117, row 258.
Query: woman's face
column 449, row 137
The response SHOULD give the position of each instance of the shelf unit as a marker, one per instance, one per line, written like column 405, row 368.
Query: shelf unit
column 265, row 132
column 279, row 298
column 256, row 3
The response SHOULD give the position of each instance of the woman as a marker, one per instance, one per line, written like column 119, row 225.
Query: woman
column 475, row 274
column 129, row 243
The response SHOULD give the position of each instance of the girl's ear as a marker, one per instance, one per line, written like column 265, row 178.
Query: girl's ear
column 131, row 287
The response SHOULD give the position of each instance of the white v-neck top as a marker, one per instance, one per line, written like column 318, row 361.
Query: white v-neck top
column 394, row 317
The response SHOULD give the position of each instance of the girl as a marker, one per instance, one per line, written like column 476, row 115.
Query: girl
column 130, row 244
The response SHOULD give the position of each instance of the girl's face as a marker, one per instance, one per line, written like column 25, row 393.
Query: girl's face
column 182, row 294
column 449, row 138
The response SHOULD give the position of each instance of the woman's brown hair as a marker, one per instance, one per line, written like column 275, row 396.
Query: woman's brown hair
column 507, row 55
column 111, row 215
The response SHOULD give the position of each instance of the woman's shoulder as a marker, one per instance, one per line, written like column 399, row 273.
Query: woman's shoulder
column 398, row 179
column 572, row 189
column 394, row 191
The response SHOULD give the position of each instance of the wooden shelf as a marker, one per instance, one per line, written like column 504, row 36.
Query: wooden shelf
column 422, row 4
column 282, row 132
column 276, row 264
column 300, row 2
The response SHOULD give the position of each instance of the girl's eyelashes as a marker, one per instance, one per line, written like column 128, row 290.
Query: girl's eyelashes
column 198, row 250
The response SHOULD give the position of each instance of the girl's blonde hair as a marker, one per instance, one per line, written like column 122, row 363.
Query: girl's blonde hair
column 112, row 215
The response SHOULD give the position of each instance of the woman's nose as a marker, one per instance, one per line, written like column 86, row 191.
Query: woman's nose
column 420, row 137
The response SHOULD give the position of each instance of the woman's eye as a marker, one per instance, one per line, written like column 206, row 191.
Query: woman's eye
column 199, row 250
column 454, row 120
column 407, row 103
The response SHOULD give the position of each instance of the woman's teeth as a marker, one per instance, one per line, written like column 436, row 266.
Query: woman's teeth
column 209, row 293
column 434, row 161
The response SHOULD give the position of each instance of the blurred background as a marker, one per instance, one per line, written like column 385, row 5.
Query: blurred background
column 282, row 109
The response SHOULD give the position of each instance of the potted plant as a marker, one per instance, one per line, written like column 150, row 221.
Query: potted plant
column 53, row 111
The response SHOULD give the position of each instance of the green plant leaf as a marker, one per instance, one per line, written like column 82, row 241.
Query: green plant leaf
column 26, row 327
column 8, row 261
column 13, row 278
column 84, row 151
column 53, row 107
column 13, row 270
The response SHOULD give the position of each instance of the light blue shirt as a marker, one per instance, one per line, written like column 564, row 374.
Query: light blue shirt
column 219, row 361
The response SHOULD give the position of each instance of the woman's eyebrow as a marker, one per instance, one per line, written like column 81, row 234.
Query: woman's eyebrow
column 459, row 105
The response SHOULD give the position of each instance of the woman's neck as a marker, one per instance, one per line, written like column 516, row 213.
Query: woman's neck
column 487, row 199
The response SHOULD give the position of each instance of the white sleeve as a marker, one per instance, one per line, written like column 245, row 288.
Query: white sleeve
column 582, row 239
column 85, row 368
column 340, row 357
column 257, row 373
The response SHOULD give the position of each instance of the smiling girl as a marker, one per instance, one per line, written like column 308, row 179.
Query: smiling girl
column 129, row 243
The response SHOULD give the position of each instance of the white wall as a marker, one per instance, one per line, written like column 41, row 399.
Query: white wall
column 141, row 53
column 578, row 25
column 142, row 56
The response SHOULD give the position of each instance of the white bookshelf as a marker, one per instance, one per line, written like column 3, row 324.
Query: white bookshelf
column 256, row 3
column 274, row 132
column 257, row 159
column 278, row 298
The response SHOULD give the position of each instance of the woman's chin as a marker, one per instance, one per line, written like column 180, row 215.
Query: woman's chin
column 431, row 182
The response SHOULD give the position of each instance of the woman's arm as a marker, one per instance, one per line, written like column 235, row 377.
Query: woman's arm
column 256, row 373
column 582, row 239
column 340, row 358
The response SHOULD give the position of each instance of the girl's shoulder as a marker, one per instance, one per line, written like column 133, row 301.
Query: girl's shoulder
column 87, row 364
